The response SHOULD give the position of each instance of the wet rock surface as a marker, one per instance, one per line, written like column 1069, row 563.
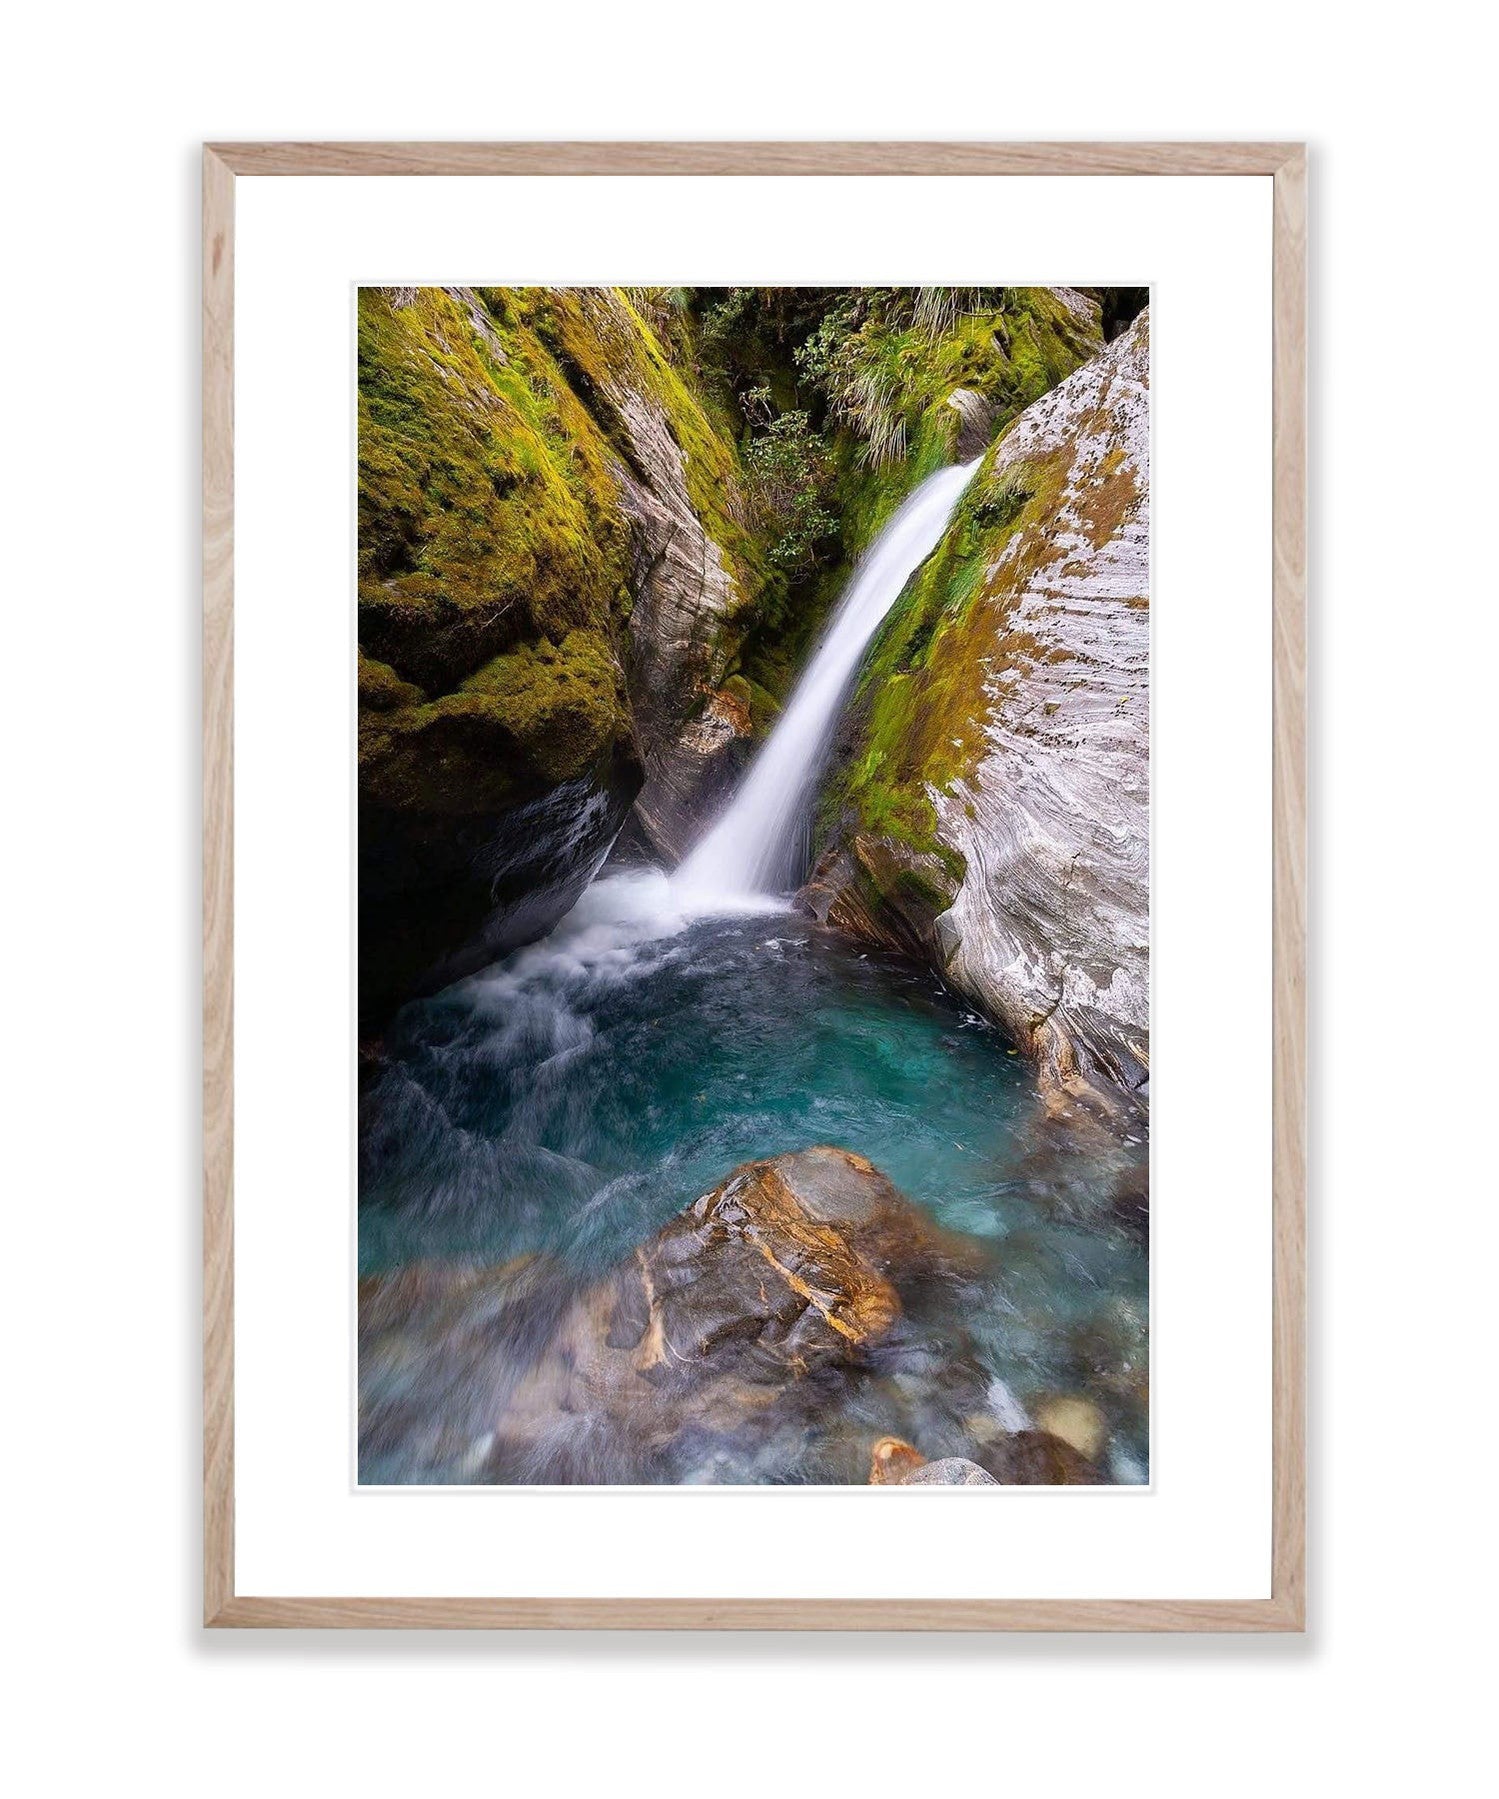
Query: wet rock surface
column 542, row 603
column 884, row 892
column 692, row 775
column 440, row 898
column 1051, row 921
column 770, row 1332
column 1005, row 725
column 951, row 1471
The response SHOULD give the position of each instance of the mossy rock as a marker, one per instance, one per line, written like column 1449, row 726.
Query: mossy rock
column 923, row 699
column 528, row 720
column 564, row 702
column 1007, row 357
column 763, row 707
column 381, row 689
column 488, row 510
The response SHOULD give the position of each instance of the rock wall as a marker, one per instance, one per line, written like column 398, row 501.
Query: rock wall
column 992, row 811
column 566, row 620
column 548, row 564
column 693, row 775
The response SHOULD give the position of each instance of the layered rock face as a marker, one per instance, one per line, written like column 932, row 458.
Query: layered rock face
column 769, row 1331
column 993, row 809
column 555, row 577
column 547, row 562
column 693, row 775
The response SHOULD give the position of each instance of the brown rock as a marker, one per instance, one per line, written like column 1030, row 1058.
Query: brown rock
column 736, row 1344
column 884, row 892
column 785, row 1254
column 892, row 1462
column 1035, row 1458
column 691, row 776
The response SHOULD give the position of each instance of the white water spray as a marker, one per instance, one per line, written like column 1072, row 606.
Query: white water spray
column 757, row 845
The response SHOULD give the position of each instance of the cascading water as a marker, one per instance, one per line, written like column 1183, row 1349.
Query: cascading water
column 544, row 1118
column 754, row 847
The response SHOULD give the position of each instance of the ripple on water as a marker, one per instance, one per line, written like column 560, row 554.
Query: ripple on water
column 571, row 1099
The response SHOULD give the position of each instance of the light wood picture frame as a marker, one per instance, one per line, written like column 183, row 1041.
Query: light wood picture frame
column 224, row 1605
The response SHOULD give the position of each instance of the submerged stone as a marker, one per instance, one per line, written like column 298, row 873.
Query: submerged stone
column 1076, row 1421
column 762, row 1334
column 892, row 1462
column 950, row 1471
column 1021, row 1458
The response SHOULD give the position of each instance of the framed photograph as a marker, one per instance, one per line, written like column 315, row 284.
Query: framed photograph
column 754, row 886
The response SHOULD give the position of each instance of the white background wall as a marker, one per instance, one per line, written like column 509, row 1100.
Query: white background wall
column 114, row 1683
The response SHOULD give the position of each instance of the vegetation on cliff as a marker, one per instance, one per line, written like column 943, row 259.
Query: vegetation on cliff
column 510, row 441
column 925, row 689
column 588, row 516
column 842, row 400
column 493, row 439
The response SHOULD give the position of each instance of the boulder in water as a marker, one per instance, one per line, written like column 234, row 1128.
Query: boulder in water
column 769, row 1332
column 1035, row 1458
column 1076, row 1421
column 1020, row 1458
column 950, row 1471
column 748, row 1339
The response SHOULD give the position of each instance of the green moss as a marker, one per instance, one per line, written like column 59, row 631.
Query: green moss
column 763, row 707
column 922, row 700
column 607, row 348
column 562, row 703
column 527, row 721
column 381, row 689
column 488, row 512
column 922, row 891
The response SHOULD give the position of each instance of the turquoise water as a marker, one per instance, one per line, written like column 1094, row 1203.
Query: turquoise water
column 572, row 1099
column 586, row 1090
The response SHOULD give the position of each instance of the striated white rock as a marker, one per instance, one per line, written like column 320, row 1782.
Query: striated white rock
column 1050, row 929
column 692, row 777
column 683, row 588
column 684, row 591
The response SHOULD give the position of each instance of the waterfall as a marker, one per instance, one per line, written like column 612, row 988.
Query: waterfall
column 758, row 844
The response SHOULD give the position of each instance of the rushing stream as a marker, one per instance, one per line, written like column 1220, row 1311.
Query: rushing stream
column 569, row 1101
